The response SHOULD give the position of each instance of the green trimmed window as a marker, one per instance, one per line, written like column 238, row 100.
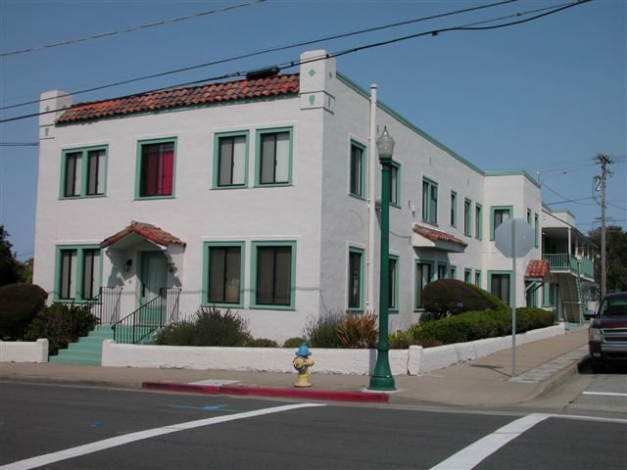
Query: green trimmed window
column 274, row 157
column 453, row 209
column 429, row 201
column 393, row 283
column 231, row 160
column 529, row 216
column 357, row 170
column 478, row 278
column 424, row 272
column 78, row 272
column 467, row 217
column 468, row 275
column 500, row 286
column 273, row 275
column 453, row 272
column 84, row 172
column 498, row 215
column 223, row 273
column 442, row 271
column 156, row 168
column 395, row 184
column 536, row 228
column 355, row 278
column 478, row 221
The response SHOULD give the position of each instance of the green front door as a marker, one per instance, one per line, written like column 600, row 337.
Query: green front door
column 153, row 279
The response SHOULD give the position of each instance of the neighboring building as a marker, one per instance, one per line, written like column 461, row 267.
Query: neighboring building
column 261, row 195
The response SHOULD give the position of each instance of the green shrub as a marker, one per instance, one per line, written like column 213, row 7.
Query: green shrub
column 322, row 332
column 209, row 327
column 294, row 342
column 358, row 330
column 61, row 324
column 451, row 297
column 262, row 343
column 531, row 318
column 401, row 340
column 19, row 304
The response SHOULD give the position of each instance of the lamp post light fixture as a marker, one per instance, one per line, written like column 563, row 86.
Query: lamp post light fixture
column 382, row 378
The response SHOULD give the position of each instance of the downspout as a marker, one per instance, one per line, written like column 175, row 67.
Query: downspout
column 372, row 214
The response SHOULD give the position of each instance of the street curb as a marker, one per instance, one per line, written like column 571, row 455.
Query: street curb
column 239, row 390
column 561, row 377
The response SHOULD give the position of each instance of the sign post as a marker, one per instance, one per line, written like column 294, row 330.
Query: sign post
column 514, row 238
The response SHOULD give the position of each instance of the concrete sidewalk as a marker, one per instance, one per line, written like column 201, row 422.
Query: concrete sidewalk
column 486, row 382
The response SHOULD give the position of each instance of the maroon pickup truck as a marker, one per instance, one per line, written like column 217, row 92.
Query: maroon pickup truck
column 607, row 337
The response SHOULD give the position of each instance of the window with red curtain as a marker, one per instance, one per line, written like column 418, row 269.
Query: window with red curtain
column 157, row 169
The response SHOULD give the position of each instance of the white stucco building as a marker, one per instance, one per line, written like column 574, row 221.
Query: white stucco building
column 261, row 195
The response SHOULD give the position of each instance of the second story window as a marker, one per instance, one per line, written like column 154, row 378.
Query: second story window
column 84, row 172
column 467, row 217
column 498, row 216
column 357, row 173
column 231, row 155
column 453, row 209
column 274, row 157
column 156, row 168
column 429, row 201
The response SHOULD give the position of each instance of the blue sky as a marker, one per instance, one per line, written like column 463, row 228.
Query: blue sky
column 546, row 96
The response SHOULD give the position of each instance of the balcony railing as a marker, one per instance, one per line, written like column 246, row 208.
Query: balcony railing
column 569, row 263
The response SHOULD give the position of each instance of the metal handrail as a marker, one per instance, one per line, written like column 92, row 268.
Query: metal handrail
column 106, row 305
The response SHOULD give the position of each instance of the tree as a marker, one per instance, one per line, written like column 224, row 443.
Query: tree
column 616, row 257
column 10, row 271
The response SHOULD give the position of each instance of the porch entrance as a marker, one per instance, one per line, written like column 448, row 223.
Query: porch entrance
column 153, row 276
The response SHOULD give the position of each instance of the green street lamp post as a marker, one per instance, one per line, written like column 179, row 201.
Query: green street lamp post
column 382, row 379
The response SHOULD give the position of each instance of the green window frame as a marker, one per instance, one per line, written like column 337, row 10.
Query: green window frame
column 357, row 170
column 84, row 172
column 468, row 275
column 393, row 283
column 273, row 275
column 273, row 156
column 423, row 275
column 497, row 215
column 429, row 201
column 78, row 272
column 355, row 285
column 223, row 274
column 452, row 272
column 500, row 285
column 478, row 221
column 467, row 217
column 442, row 271
column 453, row 209
column 156, row 168
column 478, row 278
column 230, row 162
column 395, row 184
column 536, row 228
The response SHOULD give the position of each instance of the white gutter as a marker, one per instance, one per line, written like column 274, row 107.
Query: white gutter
column 372, row 214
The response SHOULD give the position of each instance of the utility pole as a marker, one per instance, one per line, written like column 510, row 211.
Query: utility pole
column 604, row 161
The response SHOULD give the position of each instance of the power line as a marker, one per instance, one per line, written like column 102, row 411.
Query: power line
column 129, row 30
column 295, row 63
column 274, row 49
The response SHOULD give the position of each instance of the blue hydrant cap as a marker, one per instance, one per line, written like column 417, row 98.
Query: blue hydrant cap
column 303, row 350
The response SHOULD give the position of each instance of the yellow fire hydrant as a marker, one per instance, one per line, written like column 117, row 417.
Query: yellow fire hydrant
column 302, row 363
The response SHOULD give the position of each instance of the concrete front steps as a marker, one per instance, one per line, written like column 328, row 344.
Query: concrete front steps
column 88, row 349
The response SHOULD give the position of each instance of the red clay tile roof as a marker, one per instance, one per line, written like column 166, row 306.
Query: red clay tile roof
column 436, row 235
column 181, row 97
column 148, row 231
column 538, row 269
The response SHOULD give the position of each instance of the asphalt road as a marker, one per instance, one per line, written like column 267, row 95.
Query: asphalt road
column 62, row 427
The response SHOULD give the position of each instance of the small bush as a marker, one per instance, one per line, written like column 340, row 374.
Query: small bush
column 262, row 343
column 322, row 332
column 294, row 342
column 210, row 327
column 401, row 340
column 446, row 297
column 61, row 324
column 19, row 304
column 358, row 330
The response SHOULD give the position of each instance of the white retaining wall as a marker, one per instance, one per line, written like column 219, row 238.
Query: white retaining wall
column 24, row 351
column 412, row 361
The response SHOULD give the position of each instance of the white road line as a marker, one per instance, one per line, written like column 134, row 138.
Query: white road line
column 138, row 436
column 606, row 394
column 469, row 457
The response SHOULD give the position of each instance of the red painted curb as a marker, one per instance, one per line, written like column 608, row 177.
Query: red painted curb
column 239, row 390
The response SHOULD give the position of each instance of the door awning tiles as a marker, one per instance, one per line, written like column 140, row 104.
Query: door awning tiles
column 141, row 230
column 429, row 237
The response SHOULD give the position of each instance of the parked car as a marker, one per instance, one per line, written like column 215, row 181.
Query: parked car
column 607, row 336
